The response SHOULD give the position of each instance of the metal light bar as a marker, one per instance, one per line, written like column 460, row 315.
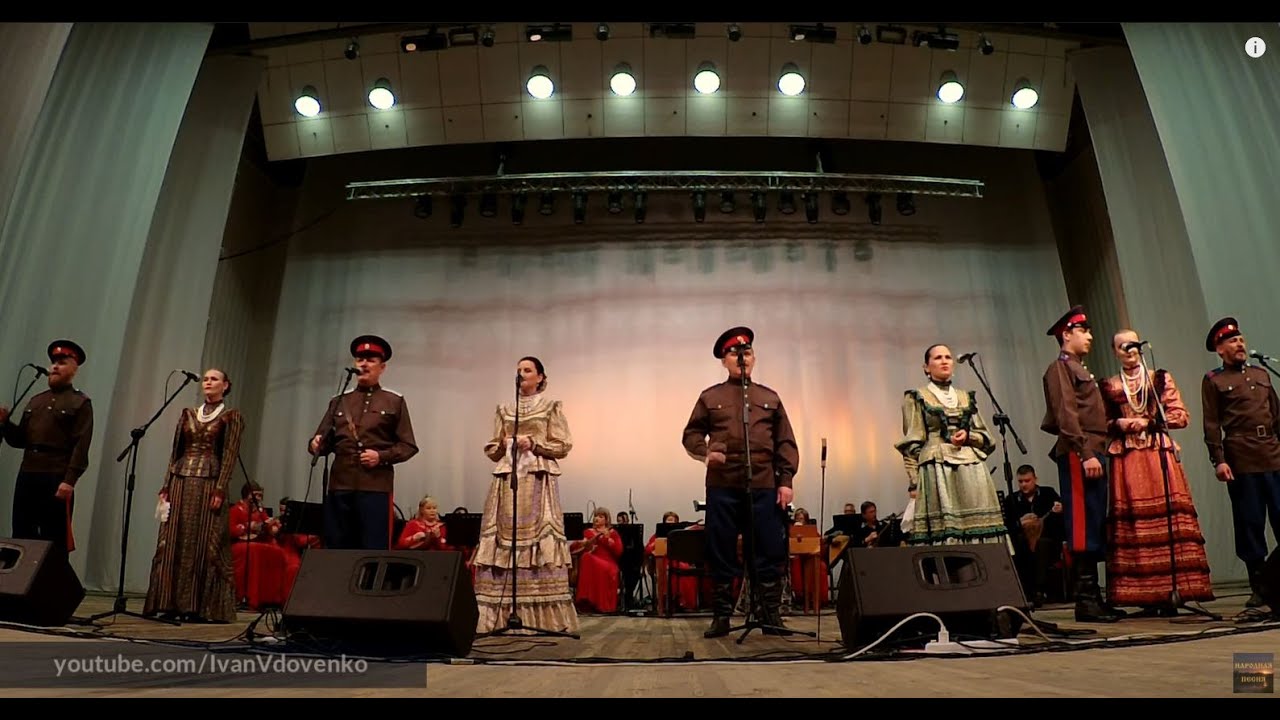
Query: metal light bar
column 637, row 181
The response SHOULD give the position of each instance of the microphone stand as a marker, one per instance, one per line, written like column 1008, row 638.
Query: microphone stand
column 1159, row 432
column 326, row 445
column 131, row 452
column 514, row 623
column 755, row 602
column 1262, row 360
column 1003, row 422
column 822, row 512
column 18, row 400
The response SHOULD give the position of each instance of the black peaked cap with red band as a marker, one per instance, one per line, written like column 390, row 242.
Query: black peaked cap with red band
column 1074, row 318
column 66, row 348
column 371, row 345
column 730, row 338
column 1224, row 329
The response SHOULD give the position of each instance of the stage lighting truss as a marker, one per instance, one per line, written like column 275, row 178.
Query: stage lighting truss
column 683, row 181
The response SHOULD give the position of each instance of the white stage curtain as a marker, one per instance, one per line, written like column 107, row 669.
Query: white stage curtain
column 29, row 55
column 170, row 309
column 624, row 320
column 72, row 243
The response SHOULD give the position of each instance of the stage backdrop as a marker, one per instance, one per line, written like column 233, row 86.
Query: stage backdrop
column 624, row 317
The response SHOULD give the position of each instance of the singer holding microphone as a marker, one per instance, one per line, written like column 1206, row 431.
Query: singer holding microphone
column 1242, row 432
column 944, row 445
column 714, row 437
column 369, row 432
column 54, row 433
column 1138, row 563
column 192, row 572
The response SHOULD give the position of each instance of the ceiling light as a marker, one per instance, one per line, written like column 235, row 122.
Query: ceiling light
column 734, row 32
column 985, row 45
column 380, row 96
column 950, row 90
column 308, row 103
column 864, row 35
column 539, row 84
column 1025, row 97
column 602, row 32
column 706, row 80
column 623, row 82
column 791, row 83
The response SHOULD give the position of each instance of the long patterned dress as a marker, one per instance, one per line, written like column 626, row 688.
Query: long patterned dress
column 956, row 501
column 1138, row 570
column 192, row 573
column 542, row 558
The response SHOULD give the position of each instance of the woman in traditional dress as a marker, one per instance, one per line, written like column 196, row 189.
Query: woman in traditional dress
column 191, row 572
column 944, row 445
column 1138, row 570
column 542, row 559
column 598, row 571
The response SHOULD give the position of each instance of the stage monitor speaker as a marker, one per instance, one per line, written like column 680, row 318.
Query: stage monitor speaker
column 397, row 601
column 963, row 585
column 37, row 585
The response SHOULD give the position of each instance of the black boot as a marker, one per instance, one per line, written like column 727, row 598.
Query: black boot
column 722, row 610
column 1089, row 606
column 771, row 599
column 1255, row 585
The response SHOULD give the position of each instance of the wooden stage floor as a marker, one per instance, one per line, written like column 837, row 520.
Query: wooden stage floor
column 626, row 656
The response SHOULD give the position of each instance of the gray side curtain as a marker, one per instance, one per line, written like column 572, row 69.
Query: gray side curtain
column 72, row 243
column 170, row 308
column 1158, row 268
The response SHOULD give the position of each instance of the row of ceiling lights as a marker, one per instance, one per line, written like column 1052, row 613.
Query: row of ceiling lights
column 705, row 80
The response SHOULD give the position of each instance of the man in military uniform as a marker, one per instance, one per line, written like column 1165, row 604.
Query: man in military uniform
column 1076, row 414
column 368, row 431
column 54, row 433
column 714, row 437
column 1241, row 425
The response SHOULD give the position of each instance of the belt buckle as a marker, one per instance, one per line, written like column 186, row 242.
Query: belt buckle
column 1261, row 430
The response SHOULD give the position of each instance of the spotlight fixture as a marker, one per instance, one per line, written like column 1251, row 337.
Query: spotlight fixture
column 906, row 204
column 985, row 46
column 549, row 33
column 353, row 50
column 840, row 202
column 456, row 212
column 548, row 204
column 813, row 33
column 381, row 96
column 940, row 40
column 734, row 32
column 726, row 202
column 623, row 81
column 421, row 43
column 706, row 80
column 786, row 202
column 950, row 90
column 308, row 102
column 757, row 206
column 615, row 202
column 579, row 208
column 539, row 84
column 602, row 32
column 811, row 207
column 791, row 82
column 464, row 36
column 517, row 208
column 1025, row 96
column 864, row 35
column 874, row 211
column 486, row 38
column 640, row 206
column 673, row 31
column 422, row 207
column 891, row 34
column 488, row 205
column 700, row 206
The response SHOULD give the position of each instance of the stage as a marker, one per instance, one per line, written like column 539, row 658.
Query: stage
column 645, row 656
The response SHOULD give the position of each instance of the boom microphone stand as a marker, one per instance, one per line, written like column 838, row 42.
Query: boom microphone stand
column 514, row 623
column 17, row 399
column 1003, row 422
column 326, row 446
column 756, row 604
column 131, row 452
column 1159, row 431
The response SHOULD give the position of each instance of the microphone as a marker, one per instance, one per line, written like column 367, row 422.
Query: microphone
column 190, row 375
column 351, row 371
column 966, row 357
column 517, row 379
column 39, row 370
column 824, row 452
column 1256, row 355
column 1136, row 344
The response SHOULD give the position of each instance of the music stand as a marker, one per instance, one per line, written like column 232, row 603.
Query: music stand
column 631, row 561
column 665, row 529
column 574, row 526
column 847, row 524
column 303, row 518
column 463, row 529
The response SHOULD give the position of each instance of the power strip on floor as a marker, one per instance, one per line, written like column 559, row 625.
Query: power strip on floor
column 944, row 646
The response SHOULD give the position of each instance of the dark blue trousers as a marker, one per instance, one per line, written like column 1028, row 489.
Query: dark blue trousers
column 1254, row 496
column 357, row 520
column 727, row 517
column 1084, row 504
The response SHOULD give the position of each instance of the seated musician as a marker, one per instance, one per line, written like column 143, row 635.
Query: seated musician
column 292, row 546
column 622, row 519
column 425, row 531
column 869, row 534
column 798, row 580
column 1034, row 515
column 259, row 562
column 598, row 571
column 685, row 586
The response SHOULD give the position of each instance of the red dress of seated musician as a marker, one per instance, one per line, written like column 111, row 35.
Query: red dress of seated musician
column 686, row 586
column 259, row 561
column 425, row 531
column 598, row 572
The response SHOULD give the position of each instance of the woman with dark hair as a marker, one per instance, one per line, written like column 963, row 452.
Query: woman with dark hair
column 542, row 558
column 944, row 445
column 191, row 573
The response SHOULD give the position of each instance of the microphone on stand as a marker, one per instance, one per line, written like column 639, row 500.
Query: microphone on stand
column 517, row 379
column 824, row 452
column 1135, row 345
column 190, row 375
column 1253, row 354
column 39, row 370
column 351, row 371
column 966, row 357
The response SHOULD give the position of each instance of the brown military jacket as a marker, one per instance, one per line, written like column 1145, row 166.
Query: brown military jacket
column 1074, row 410
column 716, row 425
column 367, row 419
column 54, row 431
column 1240, row 403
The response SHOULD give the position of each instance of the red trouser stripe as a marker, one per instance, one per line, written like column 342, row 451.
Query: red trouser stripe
column 1078, row 506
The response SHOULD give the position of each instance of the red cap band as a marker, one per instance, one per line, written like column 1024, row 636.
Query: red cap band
column 1226, row 330
column 369, row 347
column 735, row 340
